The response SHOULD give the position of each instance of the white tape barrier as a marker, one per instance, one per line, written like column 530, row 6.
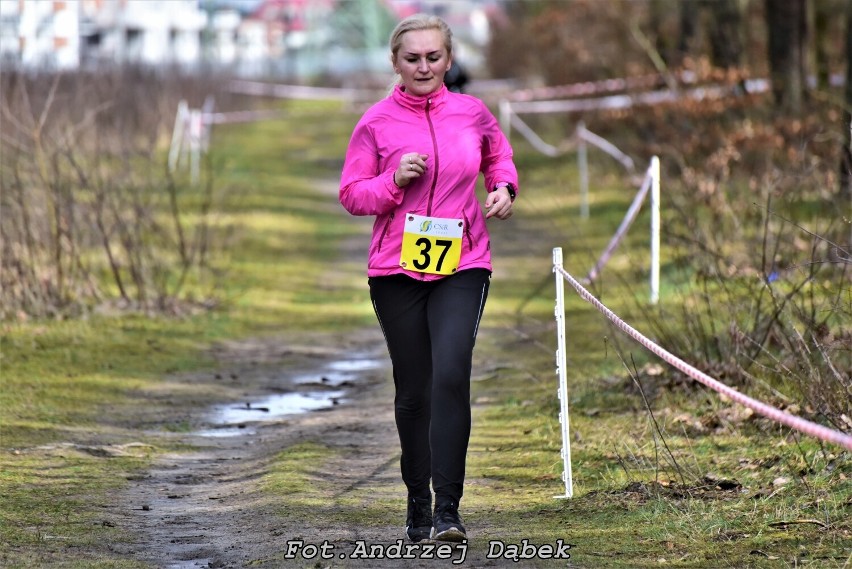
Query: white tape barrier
column 651, row 182
column 608, row 86
column 600, row 142
column 589, row 88
column 509, row 118
column 599, row 87
column 303, row 91
column 584, row 136
column 629, row 217
column 191, row 135
column 533, row 138
column 794, row 422
column 242, row 116
column 617, row 102
column 192, row 126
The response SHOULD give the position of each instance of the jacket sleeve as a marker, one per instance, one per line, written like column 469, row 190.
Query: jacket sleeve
column 497, row 157
column 364, row 188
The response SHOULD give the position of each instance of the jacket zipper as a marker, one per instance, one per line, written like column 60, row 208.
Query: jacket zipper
column 467, row 232
column 435, row 148
column 385, row 232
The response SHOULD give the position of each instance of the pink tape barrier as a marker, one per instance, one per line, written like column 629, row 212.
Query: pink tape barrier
column 792, row 421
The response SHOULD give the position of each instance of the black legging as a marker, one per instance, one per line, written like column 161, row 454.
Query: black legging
column 430, row 328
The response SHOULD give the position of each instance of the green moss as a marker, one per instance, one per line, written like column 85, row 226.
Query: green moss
column 293, row 475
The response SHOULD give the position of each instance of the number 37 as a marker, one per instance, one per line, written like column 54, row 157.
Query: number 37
column 426, row 247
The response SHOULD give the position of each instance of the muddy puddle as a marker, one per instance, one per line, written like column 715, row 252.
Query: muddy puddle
column 339, row 373
column 312, row 391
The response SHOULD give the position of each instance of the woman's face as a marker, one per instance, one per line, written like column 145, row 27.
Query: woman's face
column 422, row 61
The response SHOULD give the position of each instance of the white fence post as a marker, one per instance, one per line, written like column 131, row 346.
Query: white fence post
column 583, row 165
column 177, row 135
column 562, row 371
column 506, row 117
column 207, row 121
column 196, row 132
column 655, row 230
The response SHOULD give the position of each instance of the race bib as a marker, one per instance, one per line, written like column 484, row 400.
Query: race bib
column 431, row 244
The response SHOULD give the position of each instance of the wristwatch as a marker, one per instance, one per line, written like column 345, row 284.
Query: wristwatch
column 509, row 188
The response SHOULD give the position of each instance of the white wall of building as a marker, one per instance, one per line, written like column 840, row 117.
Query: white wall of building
column 144, row 31
column 41, row 33
column 65, row 34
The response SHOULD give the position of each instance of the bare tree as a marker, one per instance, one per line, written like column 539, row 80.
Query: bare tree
column 787, row 25
column 84, row 198
column 823, row 12
column 725, row 32
column 689, row 17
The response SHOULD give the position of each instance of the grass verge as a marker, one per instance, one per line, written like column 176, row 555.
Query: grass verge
column 707, row 487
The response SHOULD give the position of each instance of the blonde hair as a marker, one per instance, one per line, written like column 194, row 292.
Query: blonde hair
column 418, row 22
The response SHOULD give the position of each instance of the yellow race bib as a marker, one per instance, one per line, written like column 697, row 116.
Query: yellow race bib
column 431, row 244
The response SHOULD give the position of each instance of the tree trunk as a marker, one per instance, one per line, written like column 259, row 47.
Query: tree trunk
column 689, row 16
column 726, row 41
column 786, row 22
column 846, row 161
column 658, row 11
column 823, row 13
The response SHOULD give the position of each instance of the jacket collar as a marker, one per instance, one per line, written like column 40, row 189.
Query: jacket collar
column 418, row 103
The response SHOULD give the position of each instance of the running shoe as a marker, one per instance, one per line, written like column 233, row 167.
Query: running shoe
column 418, row 522
column 446, row 523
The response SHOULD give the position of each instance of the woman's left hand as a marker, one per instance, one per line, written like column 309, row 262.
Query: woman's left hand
column 498, row 204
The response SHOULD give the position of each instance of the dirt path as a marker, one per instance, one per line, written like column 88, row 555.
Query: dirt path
column 205, row 508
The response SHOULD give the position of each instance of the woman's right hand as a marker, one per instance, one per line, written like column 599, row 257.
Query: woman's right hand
column 411, row 166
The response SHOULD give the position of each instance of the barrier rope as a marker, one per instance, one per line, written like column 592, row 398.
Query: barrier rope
column 788, row 419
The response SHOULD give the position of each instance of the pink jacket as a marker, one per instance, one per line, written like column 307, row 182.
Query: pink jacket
column 461, row 138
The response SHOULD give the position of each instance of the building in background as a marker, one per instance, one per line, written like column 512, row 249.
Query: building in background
column 149, row 32
column 293, row 39
column 68, row 34
column 40, row 33
column 275, row 37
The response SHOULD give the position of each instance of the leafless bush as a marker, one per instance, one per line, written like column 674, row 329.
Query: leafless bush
column 771, row 300
column 88, row 211
column 538, row 39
